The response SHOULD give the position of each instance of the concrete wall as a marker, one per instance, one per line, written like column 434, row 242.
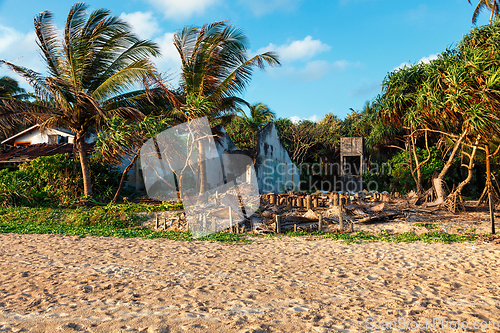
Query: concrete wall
column 276, row 173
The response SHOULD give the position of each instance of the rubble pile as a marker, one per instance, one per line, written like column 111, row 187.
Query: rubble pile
column 337, row 211
column 329, row 212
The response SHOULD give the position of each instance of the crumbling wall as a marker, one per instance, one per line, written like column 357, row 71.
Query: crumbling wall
column 275, row 171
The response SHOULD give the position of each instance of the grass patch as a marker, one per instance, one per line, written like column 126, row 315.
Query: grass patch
column 123, row 221
column 385, row 236
column 109, row 221
column 428, row 226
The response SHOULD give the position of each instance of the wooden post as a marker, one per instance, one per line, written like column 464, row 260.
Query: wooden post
column 278, row 224
column 315, row 201
column 341, row 221
column 272, row 199
column 230, row 220
column 156, row 222
column 308, row 202
column 242, row 229
column 320, row 222
column 300, row 201
column 335, row 199
column 488, row 183
column 294, row 228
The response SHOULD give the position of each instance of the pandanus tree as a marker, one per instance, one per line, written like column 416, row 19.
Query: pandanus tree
column 399, row 109
column 93, row 70
column 456, row 96
column 216, row 69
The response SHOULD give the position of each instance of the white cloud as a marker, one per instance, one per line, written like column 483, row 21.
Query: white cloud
column 295, row 119
column 297, row 50
column 428, row 59
column 143, row 24
column 262, row 7
column 170, row 60
column 424, row 60
column 179, row 9
column 20, row 49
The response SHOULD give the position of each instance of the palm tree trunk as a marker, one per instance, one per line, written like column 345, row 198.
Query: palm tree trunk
column 493, row 10
column 202, row 166
column 82, row 154
column 124, row 174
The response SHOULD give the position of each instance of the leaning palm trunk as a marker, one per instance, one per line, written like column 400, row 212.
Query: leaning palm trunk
column 437, row 182
column 124, row 175
column 84, row 162
column 203, row 167
column 493, row 11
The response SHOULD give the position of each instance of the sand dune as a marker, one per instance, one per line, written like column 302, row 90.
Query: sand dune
column 53, row 283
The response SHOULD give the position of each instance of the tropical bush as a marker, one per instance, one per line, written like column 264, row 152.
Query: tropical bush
column 398, row 177
column 54, row 180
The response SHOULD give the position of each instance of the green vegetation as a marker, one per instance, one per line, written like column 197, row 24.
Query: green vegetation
column 91, row 70
column 407, row 237
column 111, row 221
column 428, row 226
column 436, row 124
column 54, row 181
column 122, row 221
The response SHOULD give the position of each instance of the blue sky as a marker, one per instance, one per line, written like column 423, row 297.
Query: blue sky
column 334, row 53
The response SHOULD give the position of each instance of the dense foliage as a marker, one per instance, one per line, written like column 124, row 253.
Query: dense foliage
column 54, row 180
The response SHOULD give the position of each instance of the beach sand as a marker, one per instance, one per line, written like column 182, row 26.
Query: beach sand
column 51, row 283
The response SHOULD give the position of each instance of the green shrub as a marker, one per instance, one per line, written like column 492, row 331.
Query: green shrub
column 55, row 180
column 399, row 179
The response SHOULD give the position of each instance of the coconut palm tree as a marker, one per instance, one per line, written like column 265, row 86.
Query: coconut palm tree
column 260, row 114
column 9, row 88
column 92, row 69
column 216, row 69
column 492, row 5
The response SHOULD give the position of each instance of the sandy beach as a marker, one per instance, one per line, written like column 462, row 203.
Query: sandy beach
column 51, row 283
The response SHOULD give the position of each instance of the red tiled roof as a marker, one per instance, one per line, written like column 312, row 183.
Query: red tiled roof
column 21, row 154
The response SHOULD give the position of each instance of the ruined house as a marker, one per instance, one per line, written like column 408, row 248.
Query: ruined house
column 32, row 143
column 274, row 170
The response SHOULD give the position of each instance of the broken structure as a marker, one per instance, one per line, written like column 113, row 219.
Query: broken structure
column 274, row 170
column 352, row 163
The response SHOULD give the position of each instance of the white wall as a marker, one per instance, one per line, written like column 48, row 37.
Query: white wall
column 35, row 136
column 275, row 170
